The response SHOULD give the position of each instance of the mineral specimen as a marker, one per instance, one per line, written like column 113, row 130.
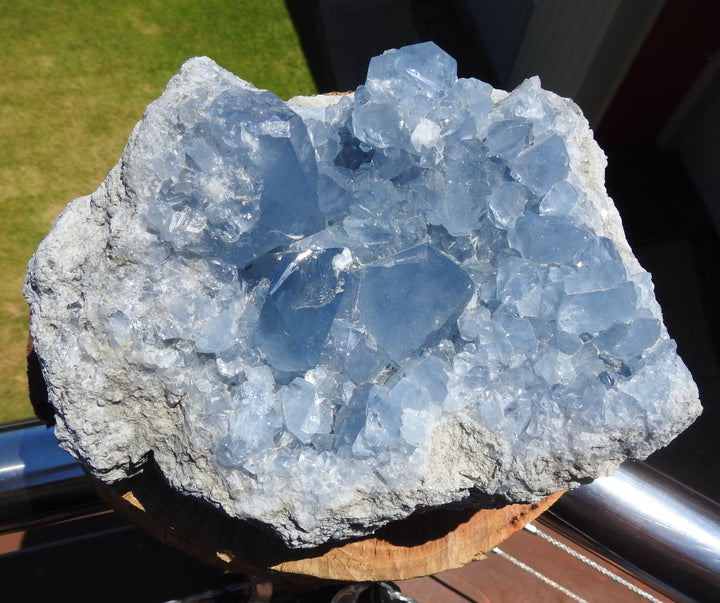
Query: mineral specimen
column 327, row 314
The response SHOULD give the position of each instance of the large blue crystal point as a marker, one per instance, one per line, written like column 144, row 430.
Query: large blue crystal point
column 241, row 179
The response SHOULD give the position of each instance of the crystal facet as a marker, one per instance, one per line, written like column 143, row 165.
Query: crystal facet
column 412, row 300
column 299, row 309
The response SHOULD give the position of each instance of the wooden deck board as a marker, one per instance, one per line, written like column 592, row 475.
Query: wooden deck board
column 572, row 573
column 497, row 580
column 494, row 580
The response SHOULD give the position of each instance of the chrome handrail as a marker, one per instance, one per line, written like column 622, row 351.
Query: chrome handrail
column 39, row 482
column 650, row 524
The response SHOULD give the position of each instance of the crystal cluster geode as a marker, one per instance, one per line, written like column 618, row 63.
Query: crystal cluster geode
column 326, row 314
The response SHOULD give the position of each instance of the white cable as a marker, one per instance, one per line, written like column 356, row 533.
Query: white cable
column 596, row 566
column 539, row 576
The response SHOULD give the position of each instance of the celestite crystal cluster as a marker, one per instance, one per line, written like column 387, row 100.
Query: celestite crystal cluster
column 326, row 314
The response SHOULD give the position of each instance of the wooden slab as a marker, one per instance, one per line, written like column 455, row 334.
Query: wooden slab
column 421, row 545
column 381, row 558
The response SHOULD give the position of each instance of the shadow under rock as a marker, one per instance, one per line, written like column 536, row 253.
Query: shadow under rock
column 211, row 535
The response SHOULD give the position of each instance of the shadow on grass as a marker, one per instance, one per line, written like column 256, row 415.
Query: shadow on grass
column 305, row 15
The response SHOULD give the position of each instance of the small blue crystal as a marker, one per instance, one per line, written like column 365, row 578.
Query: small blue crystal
column 559, row 200
column 424, row 65
column 217, row 334
column 363, row 360
column 547, row 239
column 596, row 311
column 626, row 340
column 306, row 414
column 375, row 123
column 542, row 165
column 598, row 265
column 470, row 181
column 507, row 202
column 517, row 278
column 507, row 138
column 382, row 424
column 351, row 418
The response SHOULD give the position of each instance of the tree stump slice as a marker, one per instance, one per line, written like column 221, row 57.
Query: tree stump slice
column 421, row 545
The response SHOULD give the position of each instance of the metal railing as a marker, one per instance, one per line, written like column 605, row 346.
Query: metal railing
column 650, row 524
column 646, row 522
column 39, row 482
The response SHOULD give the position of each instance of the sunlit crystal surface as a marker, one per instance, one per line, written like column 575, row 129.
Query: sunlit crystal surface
column 414, row 225
column 322, row 289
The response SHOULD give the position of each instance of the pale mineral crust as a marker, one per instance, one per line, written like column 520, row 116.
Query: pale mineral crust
column 325, row 314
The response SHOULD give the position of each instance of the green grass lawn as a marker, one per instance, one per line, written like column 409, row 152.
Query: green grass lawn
column 75, row 76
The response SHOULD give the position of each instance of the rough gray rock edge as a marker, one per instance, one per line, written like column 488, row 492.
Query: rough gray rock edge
column 110, row 415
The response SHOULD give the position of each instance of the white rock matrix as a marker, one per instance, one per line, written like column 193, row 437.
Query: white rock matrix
column 326, row 314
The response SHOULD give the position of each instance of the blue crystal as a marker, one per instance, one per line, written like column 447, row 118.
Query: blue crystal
column 626, row 340
column 431, row 375
column 363, row 360
column 596, row 311
column 520, row 333
column 306, row 414
column 230, row 197
column 412, row 299
column 375, row 123
column 559, row 200
column 508, row 137
column 401, row 104
column 217, row 334
column 382, row 424
column 547, row 239
column 460, row 248
column 507, row 202
column 598, row 265
column 568, row 343
column 542, row 165
column 350, row 419
column 299, row 311
column 516, row 279
column 528, row 102
column 476, row 96
column 418, row 403
column 424, row 65
column 470, row 181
